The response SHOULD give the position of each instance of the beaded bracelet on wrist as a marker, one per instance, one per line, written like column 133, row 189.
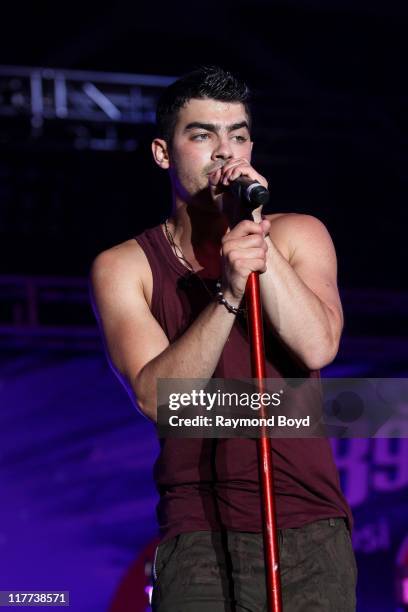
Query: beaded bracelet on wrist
column 219, row 296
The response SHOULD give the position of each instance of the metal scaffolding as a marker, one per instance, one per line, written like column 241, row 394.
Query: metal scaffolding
column 89, row 107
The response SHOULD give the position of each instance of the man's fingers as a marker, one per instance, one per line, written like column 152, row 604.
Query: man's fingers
column 246, row 266
column 244, row 228
column 214, row 177
column 252, row 240
column 240, row 167
column 233, row 172
column 244, row 254
column 266, row 226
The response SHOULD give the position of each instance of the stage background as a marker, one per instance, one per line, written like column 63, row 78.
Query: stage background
column 330, row 107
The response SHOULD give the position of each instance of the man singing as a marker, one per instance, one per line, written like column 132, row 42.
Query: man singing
column 163, row 316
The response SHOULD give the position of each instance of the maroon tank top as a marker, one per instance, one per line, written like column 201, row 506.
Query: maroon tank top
column 210, row 484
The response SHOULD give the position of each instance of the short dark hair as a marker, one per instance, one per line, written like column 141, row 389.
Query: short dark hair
column 210, row 82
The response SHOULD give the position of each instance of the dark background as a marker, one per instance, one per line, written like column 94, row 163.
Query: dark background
column 330, row 105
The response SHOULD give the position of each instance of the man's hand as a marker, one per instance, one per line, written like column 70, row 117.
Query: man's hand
column 243, row 248
column 233, row 169
column 243, row 251
column 224, row 175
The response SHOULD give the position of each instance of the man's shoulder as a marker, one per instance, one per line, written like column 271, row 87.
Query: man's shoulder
column 121, row 262
column 289, row 231
column 292, row 220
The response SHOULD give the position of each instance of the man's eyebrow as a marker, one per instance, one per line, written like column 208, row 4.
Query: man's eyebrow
column 238, row 126
column 212, row 127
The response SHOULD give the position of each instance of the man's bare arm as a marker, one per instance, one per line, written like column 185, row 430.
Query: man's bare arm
column 299, row 286
column 299, row 290
column 137, row 347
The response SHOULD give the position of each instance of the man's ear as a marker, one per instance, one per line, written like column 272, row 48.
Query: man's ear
column 161, row 153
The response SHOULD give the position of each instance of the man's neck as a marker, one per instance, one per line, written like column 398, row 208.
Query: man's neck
column 198, row 233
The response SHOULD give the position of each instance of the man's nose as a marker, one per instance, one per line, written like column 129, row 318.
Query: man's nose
column 223, row 149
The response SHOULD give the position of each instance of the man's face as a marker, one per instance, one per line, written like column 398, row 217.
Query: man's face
column 207, row 134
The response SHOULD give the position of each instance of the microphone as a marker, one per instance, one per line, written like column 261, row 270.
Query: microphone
column 250, row 192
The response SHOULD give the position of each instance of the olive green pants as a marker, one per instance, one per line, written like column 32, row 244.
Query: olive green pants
column 207, row 571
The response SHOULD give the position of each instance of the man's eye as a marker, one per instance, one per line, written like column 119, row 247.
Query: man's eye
column 240, row 138
column 202, row 136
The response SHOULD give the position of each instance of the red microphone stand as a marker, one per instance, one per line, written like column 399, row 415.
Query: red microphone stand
column 255, row 329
